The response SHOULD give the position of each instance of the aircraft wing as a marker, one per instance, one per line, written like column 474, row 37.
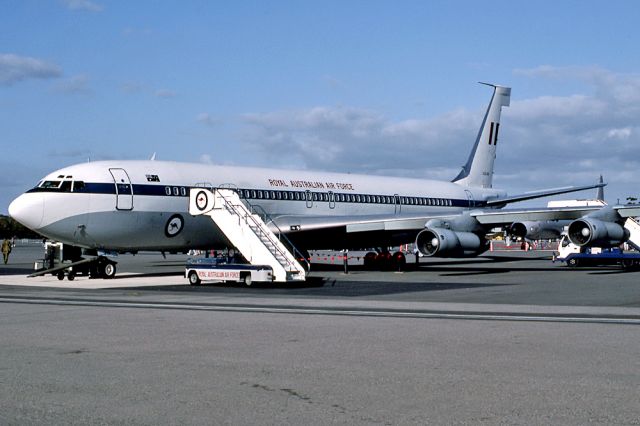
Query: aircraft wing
column 629, row 210
column 393, row 222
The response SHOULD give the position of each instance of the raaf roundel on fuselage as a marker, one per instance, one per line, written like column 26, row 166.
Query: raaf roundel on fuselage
column 143, row 205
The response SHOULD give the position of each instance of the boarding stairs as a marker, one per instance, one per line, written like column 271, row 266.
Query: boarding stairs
column 633, row 226
column 246, row 231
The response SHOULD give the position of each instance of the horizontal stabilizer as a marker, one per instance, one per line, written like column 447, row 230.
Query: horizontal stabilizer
column 539, row 194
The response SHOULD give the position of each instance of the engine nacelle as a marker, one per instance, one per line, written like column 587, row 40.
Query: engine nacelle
column 441, row 242
column 536, row 230
column 593, row 232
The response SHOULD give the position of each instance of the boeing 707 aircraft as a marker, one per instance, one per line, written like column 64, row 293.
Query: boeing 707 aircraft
column 129, row 206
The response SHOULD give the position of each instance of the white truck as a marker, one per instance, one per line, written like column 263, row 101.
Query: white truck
column 575, row 256
column 215, row 270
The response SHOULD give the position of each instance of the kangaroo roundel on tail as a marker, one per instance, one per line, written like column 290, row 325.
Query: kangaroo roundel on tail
column 478, row 172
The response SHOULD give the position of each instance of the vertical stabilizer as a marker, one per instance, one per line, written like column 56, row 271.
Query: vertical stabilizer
column 600, row 194
column 478, row 172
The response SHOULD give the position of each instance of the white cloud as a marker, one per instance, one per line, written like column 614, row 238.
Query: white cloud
column 546, row 141
column 14, row 68
column 83, row 5
column 358, row 140
column 206, row 159
column 208, row 119
column 621, row 134
column 76, row 85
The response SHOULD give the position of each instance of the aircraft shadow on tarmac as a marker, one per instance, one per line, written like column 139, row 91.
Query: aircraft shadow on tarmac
column 319, row 286
column 345, row 289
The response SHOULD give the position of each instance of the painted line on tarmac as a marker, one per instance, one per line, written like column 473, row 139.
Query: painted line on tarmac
column 563, row 318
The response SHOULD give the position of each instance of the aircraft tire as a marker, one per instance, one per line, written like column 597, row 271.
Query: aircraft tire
column 247, row 280
column 60, row 275
column 573, row 263
column 370, row 260
column 399, row 261
column 109, row 270
column 71, row 276
column 193, row 278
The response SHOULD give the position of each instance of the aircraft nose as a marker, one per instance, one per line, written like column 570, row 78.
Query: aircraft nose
column 28, row 209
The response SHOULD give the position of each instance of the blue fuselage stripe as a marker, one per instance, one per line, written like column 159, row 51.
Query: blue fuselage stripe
column 182, row 191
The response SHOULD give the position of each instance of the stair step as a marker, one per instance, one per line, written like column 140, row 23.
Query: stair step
column 279, row 257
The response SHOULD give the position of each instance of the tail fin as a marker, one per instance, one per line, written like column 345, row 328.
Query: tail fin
column 478, row 172
column 600, row 193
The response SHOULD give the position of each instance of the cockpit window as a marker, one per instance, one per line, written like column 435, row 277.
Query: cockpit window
column 56, row 185
column 78, row 186
column 50, row 184
column 65, row 186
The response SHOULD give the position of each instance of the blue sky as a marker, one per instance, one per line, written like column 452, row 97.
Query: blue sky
column 353, row 86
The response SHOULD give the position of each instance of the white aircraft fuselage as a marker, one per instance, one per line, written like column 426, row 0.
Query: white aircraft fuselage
column 143, row 205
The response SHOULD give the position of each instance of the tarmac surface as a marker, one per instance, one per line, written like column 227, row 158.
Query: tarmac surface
column 507, row 338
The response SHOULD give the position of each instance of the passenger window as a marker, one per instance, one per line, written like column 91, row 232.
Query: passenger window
column 183, row 191
column 259, row 193
column 167, row 190
column 253, row 193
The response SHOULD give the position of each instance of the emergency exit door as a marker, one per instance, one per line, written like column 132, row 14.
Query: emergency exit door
column 124, row 190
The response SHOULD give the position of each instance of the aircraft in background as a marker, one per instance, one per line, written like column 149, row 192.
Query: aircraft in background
column 129, row 206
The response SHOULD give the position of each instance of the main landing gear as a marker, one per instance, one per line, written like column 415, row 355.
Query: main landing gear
column 385, row 261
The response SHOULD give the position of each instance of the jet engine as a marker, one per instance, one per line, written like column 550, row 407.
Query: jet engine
column 536, row 230
column 440, row 242
column 594, row 232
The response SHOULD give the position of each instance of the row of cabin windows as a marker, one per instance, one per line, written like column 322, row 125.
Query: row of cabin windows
column 181, row 191
column 341, row 198
column 178, row 191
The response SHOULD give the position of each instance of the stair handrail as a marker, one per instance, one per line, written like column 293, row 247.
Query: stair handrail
column 281, row 235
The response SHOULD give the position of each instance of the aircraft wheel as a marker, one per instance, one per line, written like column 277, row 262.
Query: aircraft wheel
column 399, row 261
column 109, row 270
column 194, row 279
column 71, row 276
column 384, row 260
column 370, row 260
column 573, row 263
column 60, row 275
column 627, row 264
column 247, row 280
